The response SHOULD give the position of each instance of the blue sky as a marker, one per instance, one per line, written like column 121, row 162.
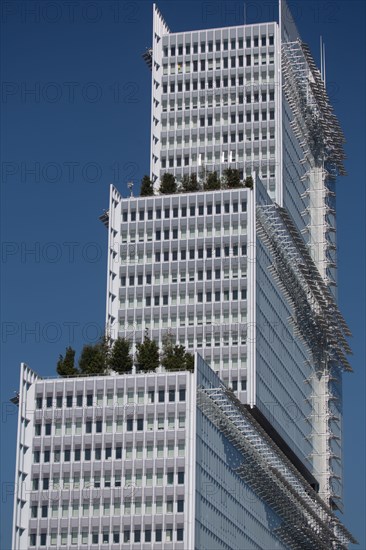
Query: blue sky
column 75, row 118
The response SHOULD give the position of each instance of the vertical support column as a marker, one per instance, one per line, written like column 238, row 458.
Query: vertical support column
column 323, row 427
column 114, row 257
column 22, row 484
column 159, row 29
column 251, row 295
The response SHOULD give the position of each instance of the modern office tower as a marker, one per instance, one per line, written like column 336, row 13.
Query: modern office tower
column 245, row 278
column 156, row 460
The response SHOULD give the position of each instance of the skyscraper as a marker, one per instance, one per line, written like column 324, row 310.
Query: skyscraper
column 245, row 277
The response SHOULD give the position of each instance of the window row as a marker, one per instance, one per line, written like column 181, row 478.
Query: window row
column 184, row 211
column 129, row 256
column 211, row 120
column 127, row 507
column 208, row 99
column 199, row 275
column 84, row 537
column 117, row 453
column 110, row 398
column 190, row 253
column 218, row 158
column 205, row 121
column 194, row 298
column 109, row 426
column 218, row 45
column 209, row 139
column 242, row 67
column 218, row 323
column 218, row 63
column 128, row 480
column 209, row 341
column 183, row 232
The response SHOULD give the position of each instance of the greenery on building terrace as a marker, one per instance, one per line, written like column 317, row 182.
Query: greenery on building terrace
column 191, row 184
column 106, row 357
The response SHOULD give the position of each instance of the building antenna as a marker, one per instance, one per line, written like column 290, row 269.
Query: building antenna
column 130, row 186
column 321, row 57
column 324, row 73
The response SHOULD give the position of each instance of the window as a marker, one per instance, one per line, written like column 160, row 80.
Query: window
column 180, row 478
column 182, row 394
column 182, row 420
column 49, row 401
column 69, row 401
column 59, row 401
column 180, row 534
column 89, row 399
column 158, row 535
column 97, row 486
column 117, row 477
column 67, row 454
column 43, row 539
column 180, row 505
column 126, row 535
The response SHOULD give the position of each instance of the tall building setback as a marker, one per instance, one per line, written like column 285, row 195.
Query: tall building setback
column 246, row 451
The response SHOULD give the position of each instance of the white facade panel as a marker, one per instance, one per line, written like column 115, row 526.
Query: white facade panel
column 108, row 461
